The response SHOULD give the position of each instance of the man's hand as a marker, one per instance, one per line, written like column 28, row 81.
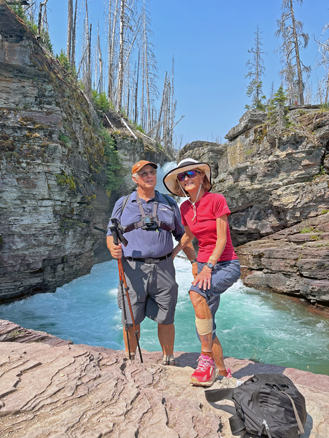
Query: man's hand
column 195, row 269
column 115, row 250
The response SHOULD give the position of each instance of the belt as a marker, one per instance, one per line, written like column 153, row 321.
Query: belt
column 148, row 260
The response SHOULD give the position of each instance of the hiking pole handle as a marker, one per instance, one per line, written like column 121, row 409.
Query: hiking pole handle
column 114, row 232
column 117, row 232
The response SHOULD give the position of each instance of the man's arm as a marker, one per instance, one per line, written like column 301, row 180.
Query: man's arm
column 115, row 250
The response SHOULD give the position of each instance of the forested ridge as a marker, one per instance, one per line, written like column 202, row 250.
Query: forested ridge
column 124, row 75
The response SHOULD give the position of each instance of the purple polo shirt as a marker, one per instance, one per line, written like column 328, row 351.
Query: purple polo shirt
column 142, row 243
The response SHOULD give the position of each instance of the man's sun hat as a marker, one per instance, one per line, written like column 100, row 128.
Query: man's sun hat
column 138, row 166
column 170, row 179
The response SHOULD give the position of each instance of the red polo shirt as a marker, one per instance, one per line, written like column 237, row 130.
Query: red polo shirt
column 210, row 207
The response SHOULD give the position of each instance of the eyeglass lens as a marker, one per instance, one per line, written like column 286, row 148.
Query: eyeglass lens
column 189, row 174
column 145, row 173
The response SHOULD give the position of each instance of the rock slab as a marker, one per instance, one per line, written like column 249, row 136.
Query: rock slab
column 50, row 388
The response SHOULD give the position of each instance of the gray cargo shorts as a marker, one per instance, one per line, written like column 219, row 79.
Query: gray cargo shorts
column 153, row 291
column 224, row 275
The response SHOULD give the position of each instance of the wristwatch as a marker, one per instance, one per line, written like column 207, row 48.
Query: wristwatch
column 210, row 266
column 192, row 261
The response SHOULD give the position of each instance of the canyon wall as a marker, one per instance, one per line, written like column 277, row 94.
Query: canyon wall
column 54, row 185
column 275, row 178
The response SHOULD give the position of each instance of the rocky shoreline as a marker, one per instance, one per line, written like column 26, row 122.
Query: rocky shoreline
column 50, row 387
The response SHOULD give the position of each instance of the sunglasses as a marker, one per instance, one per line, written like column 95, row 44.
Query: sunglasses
column 145, row 173
column 188, row 173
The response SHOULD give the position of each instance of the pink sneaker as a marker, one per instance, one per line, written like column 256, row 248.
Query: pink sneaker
column 205, row 374
column 229, row 374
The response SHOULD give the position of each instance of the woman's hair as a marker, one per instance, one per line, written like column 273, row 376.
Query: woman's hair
column 206, row 183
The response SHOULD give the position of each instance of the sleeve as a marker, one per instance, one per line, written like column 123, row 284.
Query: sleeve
column 178, row 231
column 182, row 212
column 116, row 213
column 219, row 206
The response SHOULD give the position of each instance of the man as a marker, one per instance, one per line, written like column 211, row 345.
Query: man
column 149, row 219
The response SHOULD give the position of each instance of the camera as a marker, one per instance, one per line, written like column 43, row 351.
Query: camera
column 149, row 223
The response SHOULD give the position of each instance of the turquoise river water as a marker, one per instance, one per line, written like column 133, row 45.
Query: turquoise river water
column 250, row 324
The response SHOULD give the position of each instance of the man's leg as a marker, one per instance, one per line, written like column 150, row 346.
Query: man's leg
column 161, row 304
column 166, row 334
column 132, row 340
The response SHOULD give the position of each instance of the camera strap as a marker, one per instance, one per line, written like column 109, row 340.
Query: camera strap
column 141, row 223
column 155, row 206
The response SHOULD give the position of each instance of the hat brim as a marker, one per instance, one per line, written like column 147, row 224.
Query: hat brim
column 170, row 178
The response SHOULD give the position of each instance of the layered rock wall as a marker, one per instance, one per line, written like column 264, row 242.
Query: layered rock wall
column 273, row 180
column 52, row 168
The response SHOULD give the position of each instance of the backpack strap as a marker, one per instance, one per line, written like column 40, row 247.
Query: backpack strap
column 299, row 423
column 169, row 200
column 236, row 423
column 125, row 202
column 213, row 395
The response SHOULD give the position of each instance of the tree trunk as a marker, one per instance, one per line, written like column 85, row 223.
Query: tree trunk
column 69, row 30
column 120, row 73
column 136, row 90
column 298, row 63
column 74, row 33
column 146, row 76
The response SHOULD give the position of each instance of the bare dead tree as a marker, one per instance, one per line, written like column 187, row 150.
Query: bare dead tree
column 73, row 34
column 40, row 21
column 113, row 21
column 136, row 89
column 86, row 57
column 121, row 53
column 323, row 61
column 294, row 38
column 149, row 65
column 256, row 70
column 69, row 30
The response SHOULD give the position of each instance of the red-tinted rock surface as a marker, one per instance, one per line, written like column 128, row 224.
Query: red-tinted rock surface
column 50, row 388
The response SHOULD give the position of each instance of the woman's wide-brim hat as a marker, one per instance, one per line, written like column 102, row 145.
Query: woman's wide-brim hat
column 170, row 179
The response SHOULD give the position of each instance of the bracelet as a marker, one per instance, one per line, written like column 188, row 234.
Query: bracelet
column 192, row 261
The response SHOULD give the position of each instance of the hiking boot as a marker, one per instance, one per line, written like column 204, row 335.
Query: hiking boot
column 205, row 374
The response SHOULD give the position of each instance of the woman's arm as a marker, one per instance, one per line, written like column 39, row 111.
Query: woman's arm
column 185, row 244
column 185, row 240
column 203, row 279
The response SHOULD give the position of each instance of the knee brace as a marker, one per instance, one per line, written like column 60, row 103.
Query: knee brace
column 203, row 326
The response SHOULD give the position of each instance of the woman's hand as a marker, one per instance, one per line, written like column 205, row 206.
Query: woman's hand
column 194, row 269
column 175, row 251
column 203, row 280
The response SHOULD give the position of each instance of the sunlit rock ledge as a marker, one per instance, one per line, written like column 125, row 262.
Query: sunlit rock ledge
column 53, row 388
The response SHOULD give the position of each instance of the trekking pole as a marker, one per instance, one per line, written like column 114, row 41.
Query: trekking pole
column 124, row 311
column 122, row 277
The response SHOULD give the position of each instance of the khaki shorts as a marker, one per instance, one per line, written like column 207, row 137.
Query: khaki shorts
column 153, row 291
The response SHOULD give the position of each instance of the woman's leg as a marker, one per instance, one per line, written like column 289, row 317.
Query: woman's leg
column 202, row 313
column 217, row 352
column 205, row 374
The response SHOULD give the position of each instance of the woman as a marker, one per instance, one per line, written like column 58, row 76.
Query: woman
column 204, row 216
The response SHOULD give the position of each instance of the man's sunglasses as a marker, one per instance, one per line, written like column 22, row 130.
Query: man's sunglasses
column 188, row 173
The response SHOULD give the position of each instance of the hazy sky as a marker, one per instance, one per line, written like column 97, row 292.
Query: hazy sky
column 210, row 41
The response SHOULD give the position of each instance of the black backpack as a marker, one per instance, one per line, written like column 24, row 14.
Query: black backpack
column 266, row 405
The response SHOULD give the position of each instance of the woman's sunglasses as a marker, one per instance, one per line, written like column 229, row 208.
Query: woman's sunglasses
column 188, row 173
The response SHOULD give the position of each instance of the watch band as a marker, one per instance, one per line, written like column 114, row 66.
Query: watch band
column 210, row 266
column 192, row 261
